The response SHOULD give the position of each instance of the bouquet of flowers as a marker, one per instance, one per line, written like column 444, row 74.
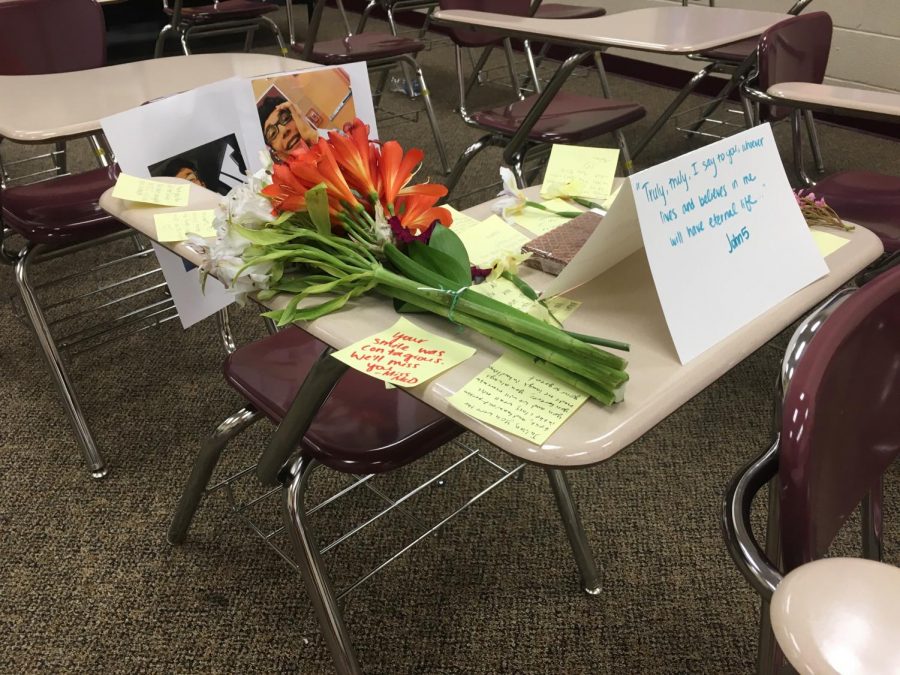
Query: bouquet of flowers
column 817, row 212
column 342, row 218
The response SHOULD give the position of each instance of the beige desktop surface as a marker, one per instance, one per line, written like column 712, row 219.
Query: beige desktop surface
column 676, row 30
column 620, row 304
column 40, row 108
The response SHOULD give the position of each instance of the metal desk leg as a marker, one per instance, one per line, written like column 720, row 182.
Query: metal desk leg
column 202, row 470
column 590, row 576
column 95, row 462
column 318, row 587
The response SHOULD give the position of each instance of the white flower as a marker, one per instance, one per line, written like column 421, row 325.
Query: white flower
column 572, row 188
column 513, row 199
column 245, row 205
column 507, row 262
column 223, row 257
column 382, row 227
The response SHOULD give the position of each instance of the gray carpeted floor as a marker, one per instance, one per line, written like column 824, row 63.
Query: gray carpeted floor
column 89, row 583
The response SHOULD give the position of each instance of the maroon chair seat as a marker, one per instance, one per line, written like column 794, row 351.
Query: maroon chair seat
column 559, row 10
column 868, row 199
column 362, row 47
column 734, row 52
column 361, row 428
column 224, row 11
column 569, row 118
column 61, row 210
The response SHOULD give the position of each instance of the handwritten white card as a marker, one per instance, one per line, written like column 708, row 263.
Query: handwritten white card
column 724, row 237
column 723, row 234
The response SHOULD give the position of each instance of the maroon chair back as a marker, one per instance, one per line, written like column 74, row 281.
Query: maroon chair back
column 51, row 36
column 794, row 50
column 469, row 37
column 841, row 418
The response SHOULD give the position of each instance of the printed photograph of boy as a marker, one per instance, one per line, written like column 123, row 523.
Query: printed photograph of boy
column 217, row 166
column 302, row 106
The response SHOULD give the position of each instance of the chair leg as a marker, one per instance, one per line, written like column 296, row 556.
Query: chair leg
column 590, row 577
column 664, row 117
column 429, row 110
column 767, row 647
column 226, row 334
column 814, row 140
column 872, row 522
column 477, row 67
column 467, row 156
column 183, row 35
column 201, row 472
column 274, row 28
column 95, row 462
column 511, row 68
column 318, row 586
column 161, row 41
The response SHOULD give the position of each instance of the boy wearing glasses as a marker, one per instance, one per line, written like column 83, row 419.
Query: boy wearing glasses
column 282, row 126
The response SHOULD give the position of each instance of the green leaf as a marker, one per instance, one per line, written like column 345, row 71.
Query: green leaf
column 317, row 205
column 265, row 237
column 441, row 263
column 447, row 241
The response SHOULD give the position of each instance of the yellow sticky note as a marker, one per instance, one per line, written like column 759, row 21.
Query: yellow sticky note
column 516, row 396
column 404, row 354
column 578, row 171
column 540, row 222
column 490, row 239
column 461, row 222
column 151, row 191
column 828, row 243
column 177, row 226
column 505, row 291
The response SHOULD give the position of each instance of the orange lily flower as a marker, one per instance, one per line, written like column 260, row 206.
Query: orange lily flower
column 417, row 212
column 357, row 157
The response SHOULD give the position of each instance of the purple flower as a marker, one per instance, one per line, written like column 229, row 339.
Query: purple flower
column 404, row 236
column 480, row 273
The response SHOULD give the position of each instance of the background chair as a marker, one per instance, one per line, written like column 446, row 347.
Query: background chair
column 837, row 434
column 79, row 307
column 736, row 60
column 222, row 17
column 793, row 55
column 381, row 51
column 537, row 120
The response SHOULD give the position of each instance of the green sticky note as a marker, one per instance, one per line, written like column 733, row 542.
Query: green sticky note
column 540, row 222
column 576, row 171
column 490, row 240
column 147, row 191
column 177, row 226
column 461, row 222
column 404, row 355
column 515, row 396
column 505, row 291
column 828, row 243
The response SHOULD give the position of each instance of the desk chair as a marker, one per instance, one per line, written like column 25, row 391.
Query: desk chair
column 222, row 17
column 381, row 51
column 543, row 118
column 823, row 611
column 537, row 9
column 59, row 216
column 736, row 60
column 836, row 435
column 25, row 28
column 791, row 63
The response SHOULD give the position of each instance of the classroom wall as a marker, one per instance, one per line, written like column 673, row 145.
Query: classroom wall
column 865, row 49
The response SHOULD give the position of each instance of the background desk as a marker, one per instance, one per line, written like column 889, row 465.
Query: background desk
column 41, row 108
